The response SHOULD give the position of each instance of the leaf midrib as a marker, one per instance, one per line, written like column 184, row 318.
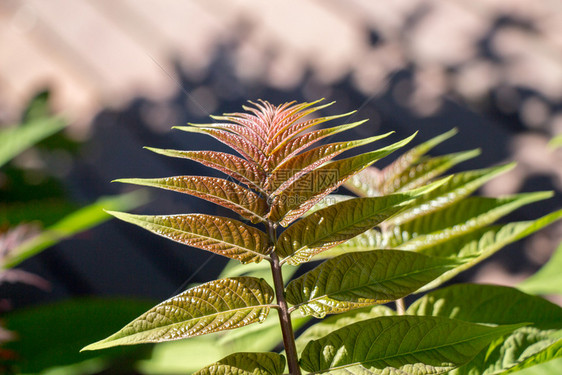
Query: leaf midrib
column 406, row 353
column 327, row 295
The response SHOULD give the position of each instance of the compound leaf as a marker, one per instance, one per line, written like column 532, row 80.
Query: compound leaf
column 215, row 306
column 228, row 237
column 297, row 199
column 473, row 247
column 479, row 304
column 548, row 280
column 223, row 192
column 246, row 364
column 399, row 345
column 335, row 224
column 242, row 170
column 360, row 279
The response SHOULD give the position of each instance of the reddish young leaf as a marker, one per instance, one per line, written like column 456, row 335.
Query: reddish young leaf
column 242, row 170
column 216, row 190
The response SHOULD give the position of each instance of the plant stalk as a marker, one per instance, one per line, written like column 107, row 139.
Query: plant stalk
column 400, row 306
column 284, row 315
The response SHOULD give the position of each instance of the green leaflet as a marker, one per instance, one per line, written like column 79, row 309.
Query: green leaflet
column 464, row 216
column 548, row 280
column 473, row 247
column 368, row 183
column 227, row 237
column 424, row 171
column 361, row 279
column 337, row 321
column 399, row 344
column 247, row 364
column 500, row 305
column 299, row 198
column 211, row 307
column 335, row 224
column 458, row 187
column 295, row 168
column 223, row 192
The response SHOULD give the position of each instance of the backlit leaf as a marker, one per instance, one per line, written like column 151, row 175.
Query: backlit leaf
column 335, row 224
column 548, row 280
column 424, row 171
column 360, row 279
column 234, row 166
column 458, row 187
column 246, row 364
column 220, row 235
column 466, row 215
column 211, row 307
column 337, row 321
column 399, row 345
column 297, row 167
column 217, row 190
column 299, row 198
column 499, row 305
column 473, row 247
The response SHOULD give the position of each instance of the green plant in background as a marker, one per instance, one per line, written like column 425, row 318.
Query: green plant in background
column 405, row 233
column 35, row 214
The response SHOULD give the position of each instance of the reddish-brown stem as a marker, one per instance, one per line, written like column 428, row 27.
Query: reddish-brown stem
column 284, row 315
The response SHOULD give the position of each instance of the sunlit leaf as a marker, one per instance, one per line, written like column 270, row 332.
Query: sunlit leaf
column 473, row 247
column 424, row 171
column 227, row 237
column 458, row 187
column 211, row 307
column 226, row 193
column 368, row 183
column 548, row 280
column 361, row 279
column 247, row 364
column 494, row 304
column 302, row 142
column 299, row 198
column 464, row 216
column 399, row 345
column 244, row 147
column 242, row 170
column 334, row 322
column 335, row 224
column 296, row 168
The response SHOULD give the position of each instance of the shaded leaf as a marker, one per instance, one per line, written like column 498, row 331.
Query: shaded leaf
column 473, row 247
column 77, row 221
column 399, row 344
column 297, row 199
column 361, row 279
column 227, row 237
column 246, row 364
column 242, row 170
column 548, row 280
column 50, row 335
column 335, row 224
column 226, row 193
column 215, row 306
column 16, row 139
column 524, row 347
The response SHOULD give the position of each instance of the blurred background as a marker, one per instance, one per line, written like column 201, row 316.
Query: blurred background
column 109, row 77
